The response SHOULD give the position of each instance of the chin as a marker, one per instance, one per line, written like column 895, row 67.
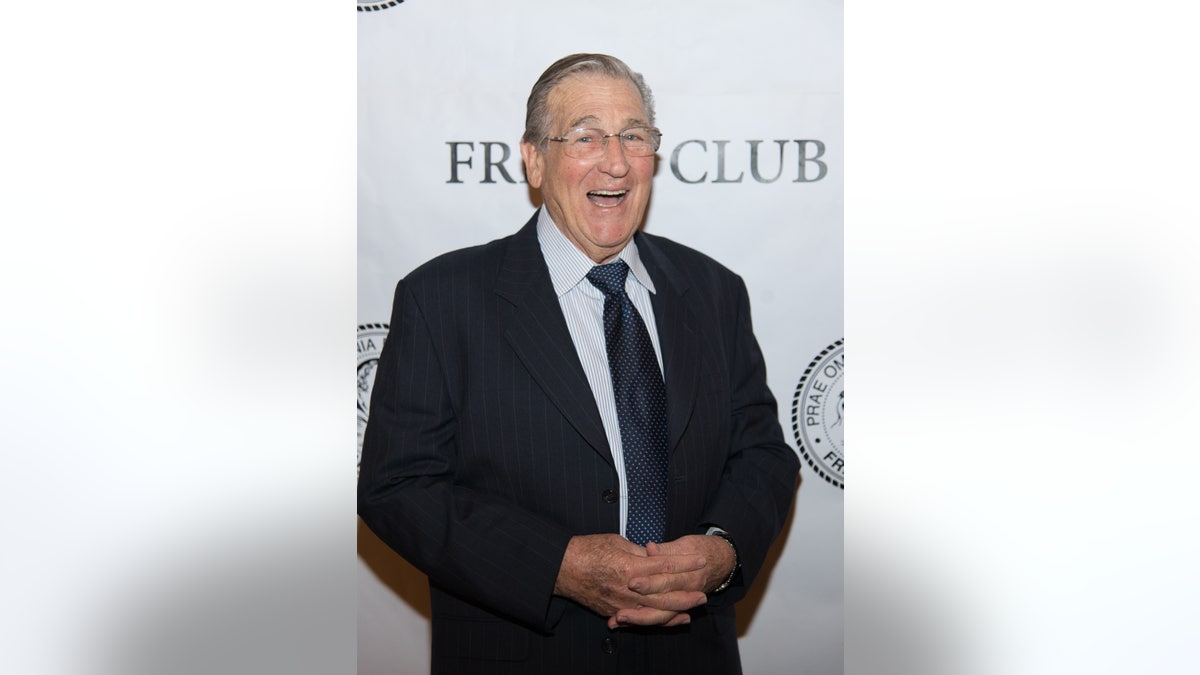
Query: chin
column 615, row 224
column 613, row 236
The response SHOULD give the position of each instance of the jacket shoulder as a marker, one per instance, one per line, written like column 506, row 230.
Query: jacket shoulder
column 463, row 263
column 696, row 267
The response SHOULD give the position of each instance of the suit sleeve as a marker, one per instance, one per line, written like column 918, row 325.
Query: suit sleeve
column 475, row 545
column 761, row 472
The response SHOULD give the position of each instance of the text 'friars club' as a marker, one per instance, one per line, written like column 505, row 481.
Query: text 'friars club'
column 692, row 161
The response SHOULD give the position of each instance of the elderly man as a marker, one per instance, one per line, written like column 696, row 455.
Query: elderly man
column 570, row 430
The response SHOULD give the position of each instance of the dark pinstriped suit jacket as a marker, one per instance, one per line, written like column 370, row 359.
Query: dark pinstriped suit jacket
column 485, row 453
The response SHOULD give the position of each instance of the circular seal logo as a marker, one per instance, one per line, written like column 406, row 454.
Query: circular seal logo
column 370, row 340
column 819, row 413
column 376, row 5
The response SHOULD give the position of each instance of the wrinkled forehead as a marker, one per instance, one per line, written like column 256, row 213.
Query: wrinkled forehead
column 596, row 100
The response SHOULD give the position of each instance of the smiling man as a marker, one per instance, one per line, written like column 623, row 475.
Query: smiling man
column 595, row 190
column 570, row 430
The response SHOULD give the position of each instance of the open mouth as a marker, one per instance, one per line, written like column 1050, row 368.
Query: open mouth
column 607, row 198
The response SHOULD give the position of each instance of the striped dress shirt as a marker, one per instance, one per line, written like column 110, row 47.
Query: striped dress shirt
column 583, row 308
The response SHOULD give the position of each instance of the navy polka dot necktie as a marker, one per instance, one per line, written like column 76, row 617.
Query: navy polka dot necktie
column 641, row 405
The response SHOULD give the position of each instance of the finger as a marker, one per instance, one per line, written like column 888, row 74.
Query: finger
column 681, row 619
column 685, row 545
column 665, row 583
column 675, row 601
column 665, row 564
column 648, row 616
column 668, row 548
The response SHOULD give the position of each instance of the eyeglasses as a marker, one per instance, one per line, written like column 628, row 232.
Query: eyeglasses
column 591, row 143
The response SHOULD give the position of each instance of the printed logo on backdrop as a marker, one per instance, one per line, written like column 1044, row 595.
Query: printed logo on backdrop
column 819, row 414
column 370, row 341
column 377, row 6
column 692, row 161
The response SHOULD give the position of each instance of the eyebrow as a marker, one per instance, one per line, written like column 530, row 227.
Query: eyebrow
column 591, row 119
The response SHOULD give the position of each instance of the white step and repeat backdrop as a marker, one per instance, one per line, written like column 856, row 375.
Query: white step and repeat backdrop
column 749, row 98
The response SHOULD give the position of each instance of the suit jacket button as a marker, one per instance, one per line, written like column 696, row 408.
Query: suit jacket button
column 608, row 645
column 609, row 496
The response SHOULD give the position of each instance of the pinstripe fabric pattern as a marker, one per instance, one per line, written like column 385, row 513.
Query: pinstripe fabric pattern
column 583, row 309
column 486, row 452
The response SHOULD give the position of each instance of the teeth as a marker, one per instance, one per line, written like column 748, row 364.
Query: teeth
column 608, row 193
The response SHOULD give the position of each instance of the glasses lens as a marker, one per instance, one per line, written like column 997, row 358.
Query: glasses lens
column 639, row 142
column 591, row 143
column 584, row 143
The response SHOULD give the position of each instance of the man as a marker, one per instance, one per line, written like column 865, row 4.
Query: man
column 570, row 430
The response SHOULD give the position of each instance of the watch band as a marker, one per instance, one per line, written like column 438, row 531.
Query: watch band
column 737, row 563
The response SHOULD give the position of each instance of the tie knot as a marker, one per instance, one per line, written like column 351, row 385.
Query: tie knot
column 609, row 278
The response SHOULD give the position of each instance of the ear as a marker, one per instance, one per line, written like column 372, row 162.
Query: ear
column 533, row 159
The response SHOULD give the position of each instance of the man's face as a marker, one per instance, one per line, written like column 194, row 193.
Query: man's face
column 598, row 203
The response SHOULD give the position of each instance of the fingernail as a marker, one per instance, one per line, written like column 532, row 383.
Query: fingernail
column 635, row 586
column 622, row 620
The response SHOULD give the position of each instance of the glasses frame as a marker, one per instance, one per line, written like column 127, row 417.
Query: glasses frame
column 655, row 136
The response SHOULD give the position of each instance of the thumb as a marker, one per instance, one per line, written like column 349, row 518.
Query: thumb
column 667, row 548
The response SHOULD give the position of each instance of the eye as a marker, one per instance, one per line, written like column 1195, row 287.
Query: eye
column 586, row 137
column 633, row 136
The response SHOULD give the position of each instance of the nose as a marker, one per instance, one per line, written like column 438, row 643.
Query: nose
column 613, row 162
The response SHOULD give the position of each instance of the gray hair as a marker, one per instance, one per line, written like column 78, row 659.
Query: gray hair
column 537, row 113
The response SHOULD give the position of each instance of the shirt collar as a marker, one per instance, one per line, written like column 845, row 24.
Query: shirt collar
column 568, row 265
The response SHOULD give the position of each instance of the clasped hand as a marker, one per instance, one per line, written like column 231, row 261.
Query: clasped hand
column 633, row 585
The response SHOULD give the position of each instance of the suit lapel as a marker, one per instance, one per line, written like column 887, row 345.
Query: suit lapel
column 537, row 332
column 677, row 336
